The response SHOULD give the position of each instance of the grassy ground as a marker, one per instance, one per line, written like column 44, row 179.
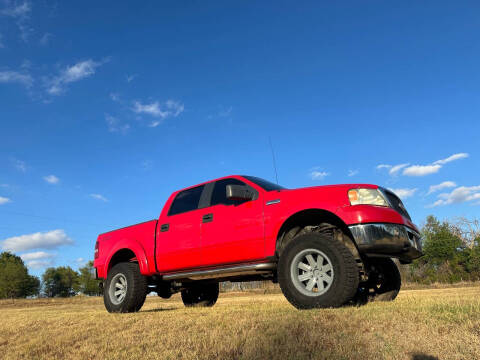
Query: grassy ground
column 420, row 324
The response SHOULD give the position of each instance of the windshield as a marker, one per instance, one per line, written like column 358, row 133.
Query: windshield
column 264, row 184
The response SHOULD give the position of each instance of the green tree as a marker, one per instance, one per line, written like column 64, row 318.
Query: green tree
column 15, row 281
column 87, row 284
column 441, row 244
column 473, row 261
column 61, row 281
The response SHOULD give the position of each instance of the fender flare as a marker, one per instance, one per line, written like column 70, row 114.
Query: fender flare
column 135, row 247
column 328, row 212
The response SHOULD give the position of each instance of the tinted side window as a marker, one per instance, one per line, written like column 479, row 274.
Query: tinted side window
column 219, row 195
column 186, row 201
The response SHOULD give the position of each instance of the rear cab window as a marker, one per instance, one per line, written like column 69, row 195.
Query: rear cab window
column 186, row 200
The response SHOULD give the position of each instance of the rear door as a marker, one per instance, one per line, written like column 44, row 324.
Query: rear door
column 232, row 231
column 178, row 233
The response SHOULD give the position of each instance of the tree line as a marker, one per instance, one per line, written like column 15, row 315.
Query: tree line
column 63, row 281
column 452, row 252
column 451, row 248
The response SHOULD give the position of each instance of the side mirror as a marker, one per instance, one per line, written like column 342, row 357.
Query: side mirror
column 240, row 192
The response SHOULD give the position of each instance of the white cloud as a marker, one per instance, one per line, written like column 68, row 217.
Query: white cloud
column 154, row 123
column 38, row 260
column 16, row 10
column 79, row 71
column 4, row 200
column 421, row 170
column 404, row 193
column 45, row 39
column 352, row 172
column 39, row 264
column 150, row 109
column 37, row 256
column 99, row 197
column 20, row 165
column 395, row 169
column 114, row 125
column 20, row 12
column 51, row 179
column 130, row 78
column 76, row 72
column 318, row 175
column 80, row 261
column 451, row 158
column 115, row 97
column 170, row 108
column 16, row 77
column 441, row 186
column 1, row 42
column 40, row 240
column 174, row 107
column 461, row 194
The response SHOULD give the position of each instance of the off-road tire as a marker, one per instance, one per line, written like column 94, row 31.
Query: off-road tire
column 384, row 282
column 136, row 291
column 391, row 283
column 200, row 294
column 345, row 271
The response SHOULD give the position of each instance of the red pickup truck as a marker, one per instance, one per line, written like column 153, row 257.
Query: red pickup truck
column 325, row 245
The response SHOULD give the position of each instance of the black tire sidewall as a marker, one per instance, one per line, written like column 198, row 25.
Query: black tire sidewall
column 342, row 261
column 200, row 294
column 393, row 279
column 136, row 289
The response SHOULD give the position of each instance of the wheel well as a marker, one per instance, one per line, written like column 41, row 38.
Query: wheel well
column 315, row 220
column 123, row 255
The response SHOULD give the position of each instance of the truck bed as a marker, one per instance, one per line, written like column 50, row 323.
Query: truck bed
column 140, row 236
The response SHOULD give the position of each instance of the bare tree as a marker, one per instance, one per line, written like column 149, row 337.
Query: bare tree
column 466, row 229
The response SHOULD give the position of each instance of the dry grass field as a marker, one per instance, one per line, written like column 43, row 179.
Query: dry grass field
column 420, row 324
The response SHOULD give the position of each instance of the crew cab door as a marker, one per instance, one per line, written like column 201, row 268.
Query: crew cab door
column 178, row 233
column 231, row 231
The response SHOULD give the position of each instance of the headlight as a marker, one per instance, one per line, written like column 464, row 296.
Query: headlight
column 366, row 197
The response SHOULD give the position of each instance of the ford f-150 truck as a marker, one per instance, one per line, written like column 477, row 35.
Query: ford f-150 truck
column 325, row 245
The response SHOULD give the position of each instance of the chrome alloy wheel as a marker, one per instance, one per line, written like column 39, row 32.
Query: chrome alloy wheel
column 312, row 272
column 118, row 289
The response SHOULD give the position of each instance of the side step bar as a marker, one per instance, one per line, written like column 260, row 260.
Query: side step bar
column 250, row 269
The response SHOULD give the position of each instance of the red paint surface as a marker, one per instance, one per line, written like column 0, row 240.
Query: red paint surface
column 241, row 233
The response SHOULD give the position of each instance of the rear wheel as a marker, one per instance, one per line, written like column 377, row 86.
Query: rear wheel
column 200, row 294
column 125, row 289
column 316, row 271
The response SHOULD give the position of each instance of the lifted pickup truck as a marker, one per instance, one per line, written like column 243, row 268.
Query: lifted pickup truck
column 325, row 245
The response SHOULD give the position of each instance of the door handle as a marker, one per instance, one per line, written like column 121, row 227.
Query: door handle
column 207, row 218
column 164, row 227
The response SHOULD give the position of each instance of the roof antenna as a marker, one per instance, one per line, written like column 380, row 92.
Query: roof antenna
column 273, row 158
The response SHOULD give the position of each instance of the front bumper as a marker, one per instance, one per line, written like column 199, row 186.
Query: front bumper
column 392, row 240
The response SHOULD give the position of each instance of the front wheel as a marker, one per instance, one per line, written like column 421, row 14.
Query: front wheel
column 125, row 289
column 316, row 271
column 384, row 282
column 205, row 294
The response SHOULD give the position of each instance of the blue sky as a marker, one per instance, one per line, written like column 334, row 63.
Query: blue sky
column 108, row 107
